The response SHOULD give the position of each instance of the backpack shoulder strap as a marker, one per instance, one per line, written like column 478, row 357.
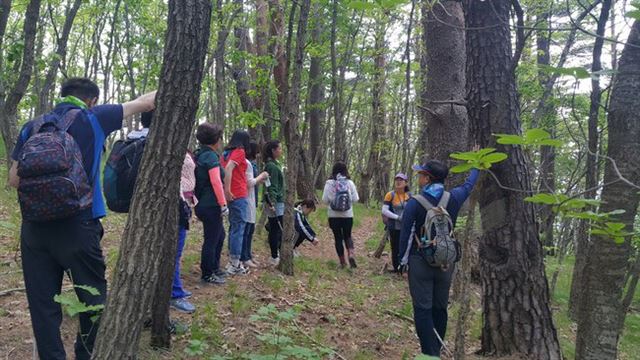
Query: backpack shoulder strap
column 67, row 120
column 424, row 202
column 37, row 125
column 444, row 200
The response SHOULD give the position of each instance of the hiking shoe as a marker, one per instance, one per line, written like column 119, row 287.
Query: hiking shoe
column 250, row 264
column 352, row 263
column 274, row 261
column 183, row 305
column 212, row 280
column 187, row 294
column 220, row 273
column 236, row 270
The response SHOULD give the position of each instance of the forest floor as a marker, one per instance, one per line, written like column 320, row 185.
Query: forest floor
column 325, row 311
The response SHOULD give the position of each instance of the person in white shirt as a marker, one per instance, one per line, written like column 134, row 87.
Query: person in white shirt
column 340, row 194
column 253, row 179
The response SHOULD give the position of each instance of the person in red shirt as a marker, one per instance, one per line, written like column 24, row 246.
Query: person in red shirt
column 235, row 188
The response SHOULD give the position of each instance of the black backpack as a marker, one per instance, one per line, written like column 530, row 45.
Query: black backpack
column 120, row 173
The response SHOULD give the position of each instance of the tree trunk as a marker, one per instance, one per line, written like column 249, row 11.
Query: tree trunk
column 516, row 313
column 278, row 49
column 446, row 124
column 377, row 147
column 263, row 82
column 404, row 153
column 316, row 107
column 339, row 149
column 601, row 314
column 9, row 106
column 545, row 117
column 5, row 9
column 221, row 86
column 150, row 237
column 44, row 102
column 240, row 73
column 293, row 139
column 577, row 282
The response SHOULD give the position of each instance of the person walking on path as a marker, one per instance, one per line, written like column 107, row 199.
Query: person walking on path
column 429, row 285
column 212, row 204
column 340, row 194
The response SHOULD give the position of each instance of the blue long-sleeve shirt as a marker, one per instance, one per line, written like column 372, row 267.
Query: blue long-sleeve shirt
column 414, row 214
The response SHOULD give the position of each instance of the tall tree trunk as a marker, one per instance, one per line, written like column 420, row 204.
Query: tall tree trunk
column 377, row 148
column 5, row 10
column 240, row 73
column 145, row 261
column 60, row 56
column 9, row 105
column 601, row 314
column 577, row 282
column 316, row 107
column 516, row 313
column 221, row 86
column 407, row 90
column 339, row 136
column 443, row 91
column 293, row 139
column 278, row 49
column 263, row 82
column 545, row 118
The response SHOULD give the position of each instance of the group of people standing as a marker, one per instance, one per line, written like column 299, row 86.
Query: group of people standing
column 59, row 237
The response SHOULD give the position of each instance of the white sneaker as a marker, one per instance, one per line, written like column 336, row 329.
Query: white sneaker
column 250, row 264
column 275, row 261
column 236, row 270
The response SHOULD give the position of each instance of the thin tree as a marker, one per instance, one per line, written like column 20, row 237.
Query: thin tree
column 516, row 313
column 601, row 313
column 9, row 102
column 151, row 232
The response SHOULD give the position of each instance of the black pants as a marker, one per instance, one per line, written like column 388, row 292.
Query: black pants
column 213, row 229
column 429, row 288
column 394, row 236
column 300, row 240
column 275, row 235
column 48, row 251
column 341, row 228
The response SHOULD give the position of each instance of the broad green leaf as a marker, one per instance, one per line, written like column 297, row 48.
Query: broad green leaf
column 552, row 142
column 495, row 157
column 534, row 135
column 616, row 226
column 485, row 151
column 543, row 198
column 465, row 156
column 90, row 289
column 461, row 168
column 634, row 14
column 577, row 72
column 509, row 139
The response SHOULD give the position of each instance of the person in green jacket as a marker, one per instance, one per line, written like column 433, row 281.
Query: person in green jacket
column 274, row 197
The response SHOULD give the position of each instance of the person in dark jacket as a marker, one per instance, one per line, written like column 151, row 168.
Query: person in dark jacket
column 429, row 286
column 302, row 226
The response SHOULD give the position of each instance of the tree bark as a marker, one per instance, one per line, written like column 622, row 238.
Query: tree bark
column 516, row 313
column 9, row 105
column 601, row 314
column 263, row 82
column 44, row 101
column 221, row 88
column 445, row 58
column 577, row 281
column 293, row 139
column 377, row 146
column 340, row 152
column 150, row 237
column 316, row 107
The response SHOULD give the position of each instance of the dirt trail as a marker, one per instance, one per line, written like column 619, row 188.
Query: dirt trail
column 361, row 314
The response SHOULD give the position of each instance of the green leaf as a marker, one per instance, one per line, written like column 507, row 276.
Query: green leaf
column 577, row 72
column 495, row 157
column 534, row 135
column 90, row 289
column 616, row 226
column 634, row 14
column 544, row 198
column 552, row 142
column 461, row 168
column 509, row 139
column 465, row 156
column 485, row 151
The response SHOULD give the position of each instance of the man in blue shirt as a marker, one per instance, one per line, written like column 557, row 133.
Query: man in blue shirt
column 429, row 286
column 71, row 245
